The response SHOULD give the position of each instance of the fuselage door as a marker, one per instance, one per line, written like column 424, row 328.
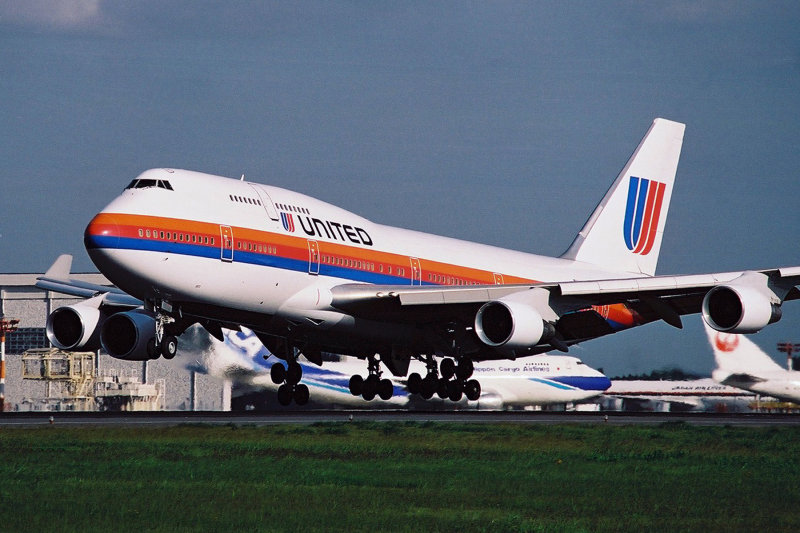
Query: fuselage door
column 266, row 201
column 498, row 278
column 416, row 271
column 226, row 243
column 313, row 257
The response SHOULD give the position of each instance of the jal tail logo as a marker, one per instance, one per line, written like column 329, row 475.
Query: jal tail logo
column 288, row 221
column 726, row 342
column 642, row 214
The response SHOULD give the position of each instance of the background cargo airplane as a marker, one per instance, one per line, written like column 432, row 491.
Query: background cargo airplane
column 534, row 380
column 742, row 364
column 306, row 276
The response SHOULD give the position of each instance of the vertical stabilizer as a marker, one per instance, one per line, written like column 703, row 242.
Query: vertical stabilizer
column 624, row 232
column 736, row 354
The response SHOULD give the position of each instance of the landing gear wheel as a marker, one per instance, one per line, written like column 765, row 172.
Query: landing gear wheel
column 455, row 390
column 301, row 394
column 385, row 389
column 152, row 349
column 284, row 395
column 278, row 373
column 414, row 383
column 441, row 388
column 447, row 368
column 169, row 346
column 370, row 388
column 356, row 385
column 465, row 369
column 472, row 389
column 429, row 384
column 294, row 373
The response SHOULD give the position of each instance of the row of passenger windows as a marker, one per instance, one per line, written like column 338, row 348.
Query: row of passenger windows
column 176, row 236
column 244, row 200
column 362, row 265
column 256, row 247
column 326, row 259
column 449, row 280
column 292, row 208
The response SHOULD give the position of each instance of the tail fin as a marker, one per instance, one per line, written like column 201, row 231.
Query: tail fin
column 624, row 232
column 737, row 354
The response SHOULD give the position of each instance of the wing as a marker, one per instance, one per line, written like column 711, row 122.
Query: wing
column 57, row 278
column 578, row 310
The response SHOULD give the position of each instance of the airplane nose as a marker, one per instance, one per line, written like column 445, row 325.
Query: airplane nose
column 102, row 232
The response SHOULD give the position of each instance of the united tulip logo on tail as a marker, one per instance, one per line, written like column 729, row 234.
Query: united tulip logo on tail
column 642, row 214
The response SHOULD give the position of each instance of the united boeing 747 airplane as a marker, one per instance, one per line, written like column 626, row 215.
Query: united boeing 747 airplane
column 185, row 247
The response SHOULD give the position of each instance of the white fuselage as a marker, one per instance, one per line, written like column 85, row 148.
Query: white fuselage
column 245, row 252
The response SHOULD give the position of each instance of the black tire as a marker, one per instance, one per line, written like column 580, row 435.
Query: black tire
column 278, row 373
column 385, row 389
column 284, row 395
column 356, row 385
column 447, row 368
column 455, row 390
column 465, row 369
column 301, row 394
column 370, row 388
column 294, row 373
column 428, row 388
column 472, row 389
column 169, row 346
column 414, row 383
column 441, row 388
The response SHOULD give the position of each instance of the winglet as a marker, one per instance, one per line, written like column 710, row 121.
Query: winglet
column 61, row 268
column 624, row 232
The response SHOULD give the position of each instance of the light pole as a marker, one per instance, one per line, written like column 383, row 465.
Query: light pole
column 788, row 348
column 7, row 325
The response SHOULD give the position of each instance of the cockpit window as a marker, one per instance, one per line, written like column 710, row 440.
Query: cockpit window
column 146, row 183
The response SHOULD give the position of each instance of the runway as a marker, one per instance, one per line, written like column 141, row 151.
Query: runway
column 175, row 418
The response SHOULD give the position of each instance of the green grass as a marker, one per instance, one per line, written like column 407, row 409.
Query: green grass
column 400, row 477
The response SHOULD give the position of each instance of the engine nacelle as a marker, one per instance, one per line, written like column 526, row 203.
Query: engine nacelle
column 126, row 335
column 511, row 326
column 75, row 327
column 739, row 308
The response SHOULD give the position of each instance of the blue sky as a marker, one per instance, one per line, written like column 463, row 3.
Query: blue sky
column 499, row 122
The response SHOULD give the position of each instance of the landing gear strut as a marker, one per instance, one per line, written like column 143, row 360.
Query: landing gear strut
column 373, row 385
column 164, row 343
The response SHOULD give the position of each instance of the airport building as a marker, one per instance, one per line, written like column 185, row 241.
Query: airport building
column 38, row 378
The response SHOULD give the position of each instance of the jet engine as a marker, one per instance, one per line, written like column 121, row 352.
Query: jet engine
column 75, row 327
column 126, row 335
column 511, row 327
column 740, row 308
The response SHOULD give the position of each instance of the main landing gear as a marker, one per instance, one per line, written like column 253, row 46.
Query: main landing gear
column 449, row 381
column 373, row 385
column 288, row 377
column 165, row 343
